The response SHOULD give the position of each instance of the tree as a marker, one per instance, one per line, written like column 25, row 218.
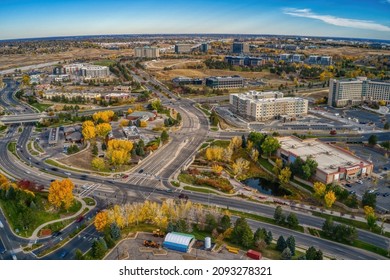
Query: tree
column 247, row 236
column 214, row 153
column 87, row 123
column 240, row 166
column 373, row 140
column 242, row 233
column 386, row 126
column 99, row 248
column 277, row 167
column 285, row 175
column 270, row 145
column 103, row 116
column 369, row 199
column 211, row 222
column 281, row 244
column 217, row 169
column 61, row 193
column 260, row 234
column 243, row 142
column 278, row 215
column 292, row 220
column 98, row 163
column 254, row 154
column 290, row 241
column 235, row 143
column 319, row 189
column 89, row 132
column 143, row 124
column 78, row 255
column 313, row 254
column 129, row 111
column 227, row 154
column 268, row 238
column 26, row 80
column 118, row 151
column 225, row 223
column 370, row 216
column 164, row 136
column 101, row 220
column 115, row 231
column 103, row 129
column 286, row 254
column 327, row 227
column 326, row 75
column 330, row 198
column 156, row 105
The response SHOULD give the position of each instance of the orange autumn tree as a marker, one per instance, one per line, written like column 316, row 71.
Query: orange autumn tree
column 101, row 220
column 61, row 193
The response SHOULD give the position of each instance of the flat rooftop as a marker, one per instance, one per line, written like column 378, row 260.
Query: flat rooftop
column 328, row 157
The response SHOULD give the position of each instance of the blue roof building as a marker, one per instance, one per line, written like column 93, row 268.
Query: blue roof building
column 178, row 241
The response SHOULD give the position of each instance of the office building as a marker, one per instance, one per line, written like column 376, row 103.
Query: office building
column 147, row 52
column 183, row 48
column 85, row 70
column 261, row 106
column 334, row 163
column 244, row 60
column 285, row 57
column 205, row 47
column 297, row 58
column 225, row 82
column 320, row 60
column 240, row 47
column 349, row 92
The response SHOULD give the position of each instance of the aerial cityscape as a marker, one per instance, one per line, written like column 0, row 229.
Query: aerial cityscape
column 219, row 130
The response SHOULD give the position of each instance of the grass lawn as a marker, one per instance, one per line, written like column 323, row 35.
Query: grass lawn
column 264, row 162
column 29, row 147
column 198, row 190
column 54, row 163
column 140, row 227
column 205, row 111
column 221, row 143
column 204, row 145
column 89, row 201
column 3, row 127
column 262, row 219
column 41, row 106
column 38, row 147
column 12, row 147
column 36, row 216
column 104, row 62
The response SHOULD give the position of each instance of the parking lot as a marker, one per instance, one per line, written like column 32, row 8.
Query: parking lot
column 381, row 163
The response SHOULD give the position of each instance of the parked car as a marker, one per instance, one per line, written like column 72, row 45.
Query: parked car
column 79, row 219
column 360, row 182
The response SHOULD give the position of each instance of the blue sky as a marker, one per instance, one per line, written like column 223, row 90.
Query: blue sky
column 341, row 18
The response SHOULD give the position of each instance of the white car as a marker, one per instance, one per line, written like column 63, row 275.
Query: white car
column 360, row 182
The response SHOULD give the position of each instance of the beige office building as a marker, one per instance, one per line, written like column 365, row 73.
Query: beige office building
column 262, row 106
column 355, row 91
column 147, row 52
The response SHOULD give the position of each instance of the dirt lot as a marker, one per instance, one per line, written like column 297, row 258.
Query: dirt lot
column 133, row 249
column 18, row 60
column 79, row 160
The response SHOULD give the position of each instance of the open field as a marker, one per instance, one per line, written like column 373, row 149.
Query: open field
column 348, row 51
column 18, row 60
column 174, row 63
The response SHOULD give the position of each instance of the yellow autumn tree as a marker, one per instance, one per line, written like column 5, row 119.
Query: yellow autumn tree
column 89, row 132
column 124, row 123
column 98, row 163
column 101, row 221
column 3, row 179
column 138, row 107
column 103, row 116
column 214, row 153
column 217, row 169
column 370, row 216
column 319, row 189
column 87, row 123
column 326, row 75
column 143, row 124
column 61, row 193
column 254, row 154
column 285, row 175
column 235, row 142
column 103, row 129
column 240, row 166
column 329, row 198
column 116, row 144
column 129, row 111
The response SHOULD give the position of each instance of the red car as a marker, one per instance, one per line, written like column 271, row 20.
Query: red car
column 79, row 219
column 125, row 176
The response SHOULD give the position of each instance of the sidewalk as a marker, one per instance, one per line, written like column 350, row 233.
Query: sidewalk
column 34, row 235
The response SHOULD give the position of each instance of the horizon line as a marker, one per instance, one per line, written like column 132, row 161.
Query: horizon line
column 181, row 34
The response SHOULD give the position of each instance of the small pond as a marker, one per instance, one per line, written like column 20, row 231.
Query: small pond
column 266, row 187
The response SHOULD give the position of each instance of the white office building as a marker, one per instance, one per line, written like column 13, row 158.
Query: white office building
column 261, row 106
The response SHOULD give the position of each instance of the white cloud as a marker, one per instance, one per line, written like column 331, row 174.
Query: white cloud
column 345, row 22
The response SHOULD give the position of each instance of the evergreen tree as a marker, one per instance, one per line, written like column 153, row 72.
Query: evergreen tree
column 211, row 222
column 243, row 143
column 268, row 238
column 291, row 244
column 281, row 244
column 278, row 215
column 292, row 221
column 286, row 254
column 225, row 223
column 115, row 231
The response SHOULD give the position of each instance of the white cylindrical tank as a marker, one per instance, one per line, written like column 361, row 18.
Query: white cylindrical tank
column 207, row 243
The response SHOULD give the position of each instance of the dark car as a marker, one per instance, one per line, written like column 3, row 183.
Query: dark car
column 56, row 233
column 63, row 254
column 79, row 219
column 140, row 171
column 348, row 185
